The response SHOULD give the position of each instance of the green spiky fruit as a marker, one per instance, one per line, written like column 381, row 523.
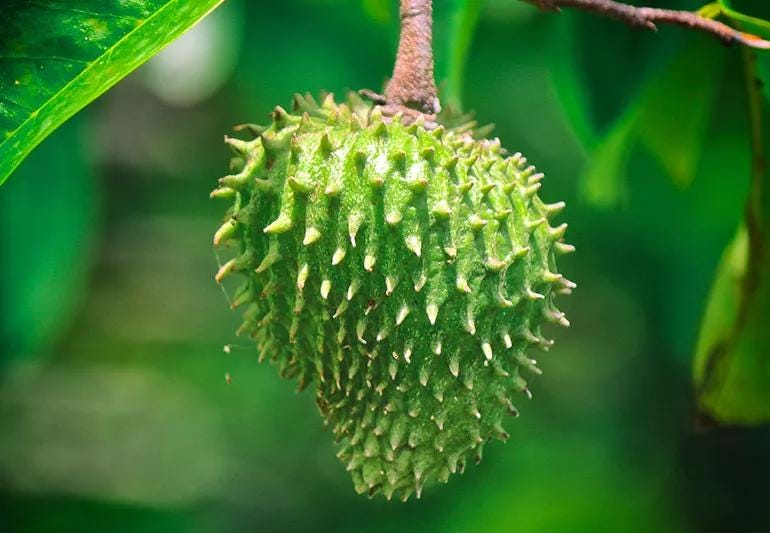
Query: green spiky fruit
column 404, row 272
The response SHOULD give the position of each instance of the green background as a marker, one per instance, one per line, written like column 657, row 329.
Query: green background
column 114, row 409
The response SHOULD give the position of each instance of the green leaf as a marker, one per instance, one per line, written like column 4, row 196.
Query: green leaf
column 739, row 11
column 463, row 19
column 669, row 118
column 732, row 361
column 677, row 108
column 569, row 80
column 59, row 55
column 603, row 181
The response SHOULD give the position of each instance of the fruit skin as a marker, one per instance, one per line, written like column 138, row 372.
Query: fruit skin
column 404, row 272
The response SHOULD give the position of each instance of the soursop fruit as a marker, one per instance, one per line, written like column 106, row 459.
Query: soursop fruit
column 402, row 271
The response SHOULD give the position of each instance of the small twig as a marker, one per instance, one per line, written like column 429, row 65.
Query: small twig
column 756, row 209
column 412, row 89
column 649, row 17
column 377, row 98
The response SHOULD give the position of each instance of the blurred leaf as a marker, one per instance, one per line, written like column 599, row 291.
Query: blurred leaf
column 381, row 11
column 46, row 235
column 732, row 363
column 669, row 118
column 603, row 182
column 676, row 110
column 464, row 17
column 755, row 14
column 636, row 59
column 569, row 83
column 58, row 56
column 306, row 56
column 723, row 302
column 754, row 24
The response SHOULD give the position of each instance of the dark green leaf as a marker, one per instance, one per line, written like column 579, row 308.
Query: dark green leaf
column 57, row 56
column 463, row 19
column 677, row 108
column 668, row 118
column 570, row 84
column 732, row 362
column 603, row 182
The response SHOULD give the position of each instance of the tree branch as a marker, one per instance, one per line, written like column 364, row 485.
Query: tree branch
column 412, row 87
column 649, row 17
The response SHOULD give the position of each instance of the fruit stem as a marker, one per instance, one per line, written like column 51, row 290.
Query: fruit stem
column 412, row 88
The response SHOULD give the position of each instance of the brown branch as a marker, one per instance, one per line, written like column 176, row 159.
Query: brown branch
column 649, row 17
column 412, row 87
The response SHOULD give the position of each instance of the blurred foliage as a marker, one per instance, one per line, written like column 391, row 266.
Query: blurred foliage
column 732, row 365
column 732, row 369
column 52, row 204
column 732, row 361
column 114, row 408
column 668, row 118
column 463, row 17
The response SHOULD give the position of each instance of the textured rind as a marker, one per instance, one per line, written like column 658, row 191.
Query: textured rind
column 404, row 272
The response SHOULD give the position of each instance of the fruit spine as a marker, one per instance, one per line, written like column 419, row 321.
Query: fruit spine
column 403, row 271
